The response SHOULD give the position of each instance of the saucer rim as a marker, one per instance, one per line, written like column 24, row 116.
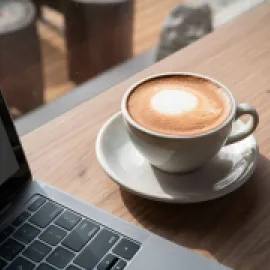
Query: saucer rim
column 115, row 178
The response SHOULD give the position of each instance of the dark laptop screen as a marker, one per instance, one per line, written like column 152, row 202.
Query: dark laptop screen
column 14, row 170
column 8, row 162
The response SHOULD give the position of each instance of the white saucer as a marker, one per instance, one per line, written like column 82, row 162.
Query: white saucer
column 230, row 169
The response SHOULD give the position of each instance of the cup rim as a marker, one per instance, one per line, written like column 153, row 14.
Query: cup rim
column 133, row 123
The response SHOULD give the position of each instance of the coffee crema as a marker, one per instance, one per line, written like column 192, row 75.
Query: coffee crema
column 181, row 105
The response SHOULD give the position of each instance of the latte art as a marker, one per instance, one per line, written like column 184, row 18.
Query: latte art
column 179, row 105
column 173, row 102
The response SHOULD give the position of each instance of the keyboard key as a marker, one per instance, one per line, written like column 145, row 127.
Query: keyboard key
column 2, row 264
column 45, row 266
column 36, row 204
column 120, row 265
column 37, row 251
column 126, row 249
column 6, row 233
column 21, row 219
column 108, row 262
column 73, row 267
column 53, row 235
column 95, row 250
column 26, row 233
column 68, row 220
column 81, row 235
column 46, row 214
column 10, row 249
column 60, row 257
column 21, row 264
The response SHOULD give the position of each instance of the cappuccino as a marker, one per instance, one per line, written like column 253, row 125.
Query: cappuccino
column 180, row 105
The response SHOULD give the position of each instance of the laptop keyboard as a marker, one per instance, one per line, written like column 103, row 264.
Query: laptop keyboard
column 48, row 236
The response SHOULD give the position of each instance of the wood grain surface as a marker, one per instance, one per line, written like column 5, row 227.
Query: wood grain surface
column 234, row 230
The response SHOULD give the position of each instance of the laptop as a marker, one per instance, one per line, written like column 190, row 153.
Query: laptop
column 42, row 228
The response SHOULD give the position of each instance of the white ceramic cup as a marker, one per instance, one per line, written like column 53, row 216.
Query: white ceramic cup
column 173, row 153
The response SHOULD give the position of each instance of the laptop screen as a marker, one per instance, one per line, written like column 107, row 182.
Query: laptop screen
column 8, row 162
column 14, row 170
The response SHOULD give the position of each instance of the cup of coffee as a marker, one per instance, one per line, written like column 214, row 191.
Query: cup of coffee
column 180, row 121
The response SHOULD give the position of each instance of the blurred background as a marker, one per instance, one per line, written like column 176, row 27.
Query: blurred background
column 48, row 48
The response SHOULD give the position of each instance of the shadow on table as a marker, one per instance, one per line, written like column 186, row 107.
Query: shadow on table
column 208, row 226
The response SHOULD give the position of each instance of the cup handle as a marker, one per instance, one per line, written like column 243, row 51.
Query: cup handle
column 248, row 128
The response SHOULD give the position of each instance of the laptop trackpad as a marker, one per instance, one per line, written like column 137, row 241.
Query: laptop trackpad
column 159, row 254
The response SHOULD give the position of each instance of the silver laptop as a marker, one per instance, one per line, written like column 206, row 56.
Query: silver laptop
column 43, row 228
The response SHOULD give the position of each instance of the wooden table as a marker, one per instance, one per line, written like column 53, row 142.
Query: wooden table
column 235, row 230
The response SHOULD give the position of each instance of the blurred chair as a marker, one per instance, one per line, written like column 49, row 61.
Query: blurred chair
column 21, row 77
column 98, row 35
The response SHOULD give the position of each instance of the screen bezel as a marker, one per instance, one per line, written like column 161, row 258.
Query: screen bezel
column 16, row 182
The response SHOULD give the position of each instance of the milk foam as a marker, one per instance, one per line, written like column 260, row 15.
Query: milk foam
column 174, row 102
column 179, row 105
